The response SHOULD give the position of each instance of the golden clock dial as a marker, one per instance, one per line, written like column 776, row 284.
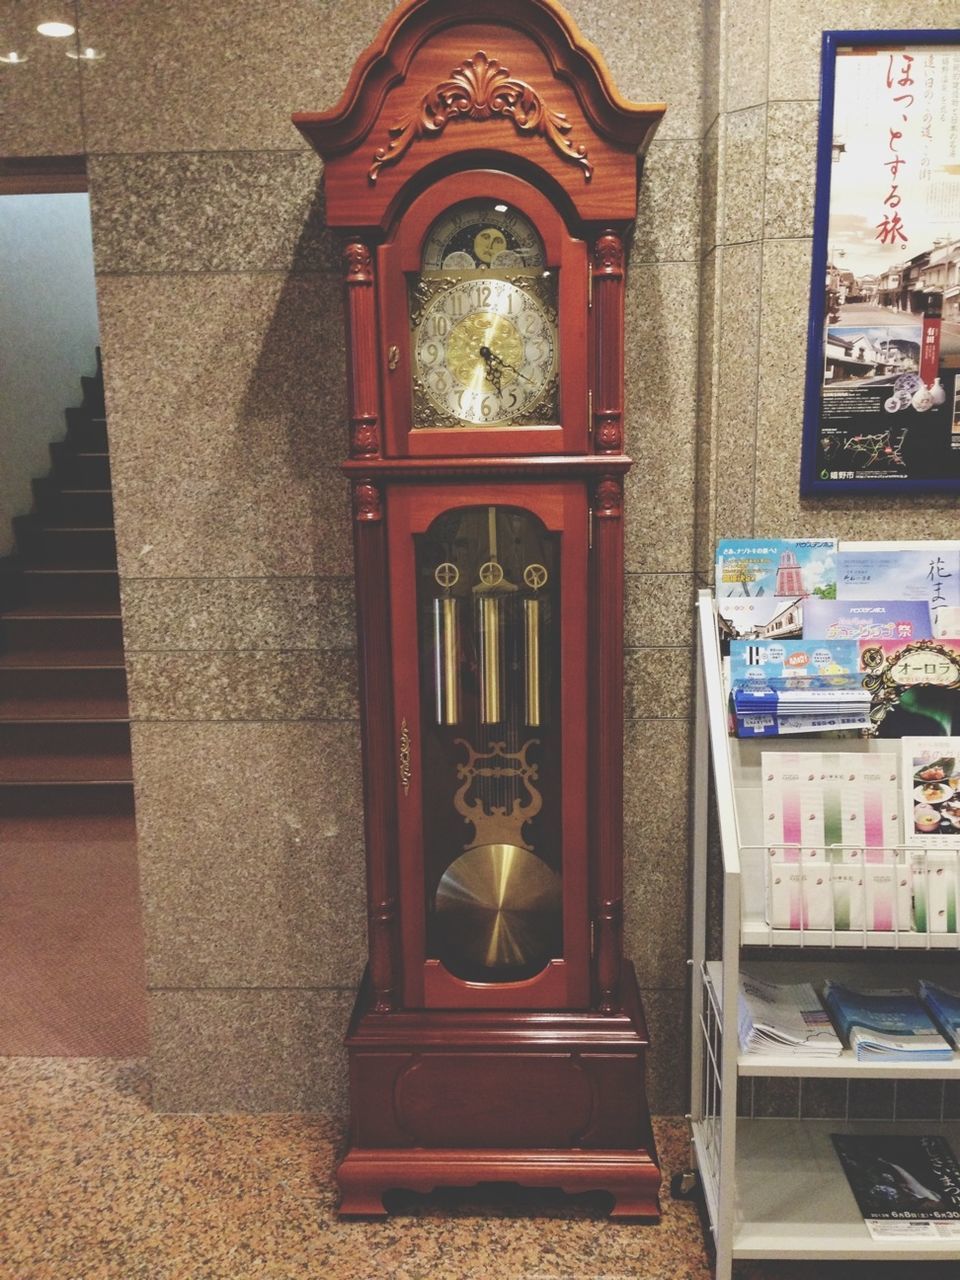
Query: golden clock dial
column 485, row 351
column 479, row 234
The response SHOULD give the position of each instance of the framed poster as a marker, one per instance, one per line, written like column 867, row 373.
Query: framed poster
column 882, row 409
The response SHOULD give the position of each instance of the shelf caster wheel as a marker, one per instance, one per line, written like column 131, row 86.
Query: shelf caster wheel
column 684, row 1186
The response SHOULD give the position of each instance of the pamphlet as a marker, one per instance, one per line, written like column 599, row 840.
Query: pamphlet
column 763, row 725
column 914, row 685
column 761, row 583
column 866, row 620
column 928, row 571
column 783, row 1019
column 906, row 1186
column 797, row 660
column 931, row 791
column 885, row 1026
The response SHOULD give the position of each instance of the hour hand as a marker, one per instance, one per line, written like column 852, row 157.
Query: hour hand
column 502, row 364
column 492, row 363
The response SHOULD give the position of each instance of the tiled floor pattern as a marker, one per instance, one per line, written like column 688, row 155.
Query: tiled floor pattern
column 95, row 1186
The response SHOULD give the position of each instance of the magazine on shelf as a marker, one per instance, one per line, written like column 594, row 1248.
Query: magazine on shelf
column 783, row 1018
column 866, row 620
column 931, row 791
column 906, row 1186
column 885, row 1025
column 944, row 1007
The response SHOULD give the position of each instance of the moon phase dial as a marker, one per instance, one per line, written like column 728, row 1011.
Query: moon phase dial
column 479, row 234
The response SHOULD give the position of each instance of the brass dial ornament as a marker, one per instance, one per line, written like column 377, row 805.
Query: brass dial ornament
column 446, row 574
column 535, row 576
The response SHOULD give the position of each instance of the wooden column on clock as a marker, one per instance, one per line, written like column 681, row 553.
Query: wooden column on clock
column 482, row 170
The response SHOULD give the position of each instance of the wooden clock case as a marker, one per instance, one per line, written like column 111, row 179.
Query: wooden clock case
column 452, row 1082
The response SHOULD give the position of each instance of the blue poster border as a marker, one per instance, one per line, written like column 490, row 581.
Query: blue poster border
column 811, row 485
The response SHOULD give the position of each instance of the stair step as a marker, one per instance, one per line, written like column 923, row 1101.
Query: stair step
column 83, row 508
column 80, row 470
column 93, row 393
column 79, row 747
column 55, row 710
column 58, row 584
column 61, row 659
column 86, row 548
column 87, row 431
column 66, row 686
column 87, row 799
column 58, row 629
column 45, row 768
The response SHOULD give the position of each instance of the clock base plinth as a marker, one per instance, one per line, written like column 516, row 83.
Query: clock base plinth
column 455, row 1098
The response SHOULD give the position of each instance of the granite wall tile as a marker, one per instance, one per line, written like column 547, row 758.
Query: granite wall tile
column 657, row 683
column 667, row 228
column 712, row 35
column 40, row 110
column 654, row 53
column 661, row 374
column 708, row 383
column 249, row 211
column 229, row 82
column 250, row 1050
column 711, row 209
column 654, row 751
column 305, row 685
column 202, row 614
column 742, row 146
column 656, row 886
column 659, row 609
column 791, row 163
column 668, row 1061
column 222, row 434
column 745, row 26
column 251, row 854
column 796, row 27
column 739, row 328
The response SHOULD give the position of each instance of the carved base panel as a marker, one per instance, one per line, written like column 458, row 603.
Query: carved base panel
column 455, row 1098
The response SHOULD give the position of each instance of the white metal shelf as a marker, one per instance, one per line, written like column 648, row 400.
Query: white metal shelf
column 794, row 1201
column 775, row 1188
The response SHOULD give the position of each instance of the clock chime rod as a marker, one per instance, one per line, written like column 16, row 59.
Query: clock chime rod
column 491, row 575
column 535, row 576
column 446, row 646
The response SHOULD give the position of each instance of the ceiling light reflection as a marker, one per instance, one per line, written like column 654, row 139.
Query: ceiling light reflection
column 59, row 30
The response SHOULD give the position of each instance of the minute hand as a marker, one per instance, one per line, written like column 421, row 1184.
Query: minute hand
column 491, row 356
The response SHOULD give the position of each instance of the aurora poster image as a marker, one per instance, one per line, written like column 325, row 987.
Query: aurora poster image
column 883, row 392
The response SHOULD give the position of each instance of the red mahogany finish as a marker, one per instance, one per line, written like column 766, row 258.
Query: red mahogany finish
column 456, row 1080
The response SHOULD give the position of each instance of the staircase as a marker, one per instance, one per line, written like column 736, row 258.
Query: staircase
column 64, row 717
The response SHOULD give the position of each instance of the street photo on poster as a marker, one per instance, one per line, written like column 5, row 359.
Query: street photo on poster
column 883, row 391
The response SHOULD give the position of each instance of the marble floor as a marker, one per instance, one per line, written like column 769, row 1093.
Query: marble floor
column 96, row 1186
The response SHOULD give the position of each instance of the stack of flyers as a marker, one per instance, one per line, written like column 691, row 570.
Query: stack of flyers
column 791, row 686
column 944, row 1008
column 783, row 1019
column 931, row 791
column 927, row 571
column 907, row 1186
column 884, row 1026
column 762, row 584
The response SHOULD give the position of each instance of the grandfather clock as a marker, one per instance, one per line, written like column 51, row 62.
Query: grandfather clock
column 483, row 171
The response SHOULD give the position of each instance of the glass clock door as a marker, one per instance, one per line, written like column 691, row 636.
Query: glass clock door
column 497, row 901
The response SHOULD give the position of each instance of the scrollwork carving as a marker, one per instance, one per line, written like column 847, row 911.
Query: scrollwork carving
column 481, row 89
column 608, row 253
column 358, row 262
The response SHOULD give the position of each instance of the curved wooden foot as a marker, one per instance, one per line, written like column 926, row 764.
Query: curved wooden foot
column 631, row 1177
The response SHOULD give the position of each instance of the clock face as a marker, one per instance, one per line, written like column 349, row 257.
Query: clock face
column 481, row 234
column 485, row 351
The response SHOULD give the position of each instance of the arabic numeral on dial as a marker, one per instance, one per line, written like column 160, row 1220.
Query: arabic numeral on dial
column 436, row 326
column 429, row 353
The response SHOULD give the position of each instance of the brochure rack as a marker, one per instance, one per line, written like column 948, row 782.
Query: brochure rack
column 773, row 1188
